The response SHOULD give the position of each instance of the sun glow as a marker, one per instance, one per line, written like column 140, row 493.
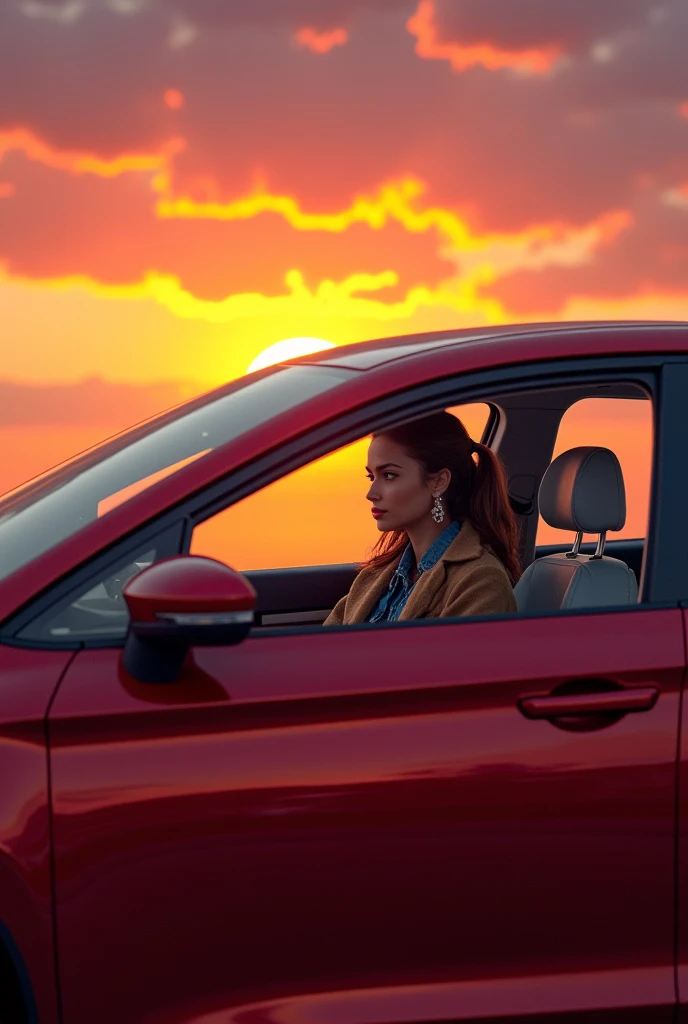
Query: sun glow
column 290, row 348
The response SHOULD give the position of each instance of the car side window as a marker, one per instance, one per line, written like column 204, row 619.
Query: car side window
column 316, row 515
column 100, row 611
column 625, row 426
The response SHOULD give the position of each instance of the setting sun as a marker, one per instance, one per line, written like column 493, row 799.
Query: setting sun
column 290, row 348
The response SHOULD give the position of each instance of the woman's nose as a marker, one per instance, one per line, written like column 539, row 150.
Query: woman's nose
column 372, row 493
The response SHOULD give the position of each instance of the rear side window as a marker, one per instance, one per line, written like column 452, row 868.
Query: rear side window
column 625, row 426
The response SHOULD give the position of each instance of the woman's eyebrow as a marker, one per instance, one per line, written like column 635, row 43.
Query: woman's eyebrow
column 385, row 465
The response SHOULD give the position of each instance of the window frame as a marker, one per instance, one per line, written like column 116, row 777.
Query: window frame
column 657, row 373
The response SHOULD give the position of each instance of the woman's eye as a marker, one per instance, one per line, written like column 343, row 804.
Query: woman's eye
column 390, row 476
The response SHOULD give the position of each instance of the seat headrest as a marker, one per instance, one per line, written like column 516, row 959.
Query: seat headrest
column 583, row 490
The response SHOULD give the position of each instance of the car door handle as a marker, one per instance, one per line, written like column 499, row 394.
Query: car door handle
column 615, row 701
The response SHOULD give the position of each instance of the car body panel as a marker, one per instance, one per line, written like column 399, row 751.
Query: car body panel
column 502, row 1000
column 682, row 852
column 374, row 354
column 355, row 391
column 28, row 680
column 221, row 835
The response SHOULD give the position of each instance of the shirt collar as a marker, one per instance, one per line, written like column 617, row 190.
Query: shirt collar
column 431, row 556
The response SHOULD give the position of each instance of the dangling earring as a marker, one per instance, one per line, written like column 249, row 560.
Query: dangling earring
column 437, row 512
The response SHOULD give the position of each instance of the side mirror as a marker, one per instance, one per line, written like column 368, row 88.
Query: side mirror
column 179, row 603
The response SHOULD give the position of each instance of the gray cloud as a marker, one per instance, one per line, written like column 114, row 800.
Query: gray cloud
column 290, row 13
column 527, row 24
column 222, row 14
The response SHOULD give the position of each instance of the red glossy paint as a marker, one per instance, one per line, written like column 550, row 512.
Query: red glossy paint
column 362, row 826
column 349, row 826
column 188, row 583
column 682, row 866
column 539, row 343
column 28, row 680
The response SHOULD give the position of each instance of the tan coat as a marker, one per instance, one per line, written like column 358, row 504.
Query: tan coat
column 467, row 580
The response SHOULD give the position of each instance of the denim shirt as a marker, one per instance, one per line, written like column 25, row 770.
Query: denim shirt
column 391, row 604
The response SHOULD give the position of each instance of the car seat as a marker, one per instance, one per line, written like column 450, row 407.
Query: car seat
column 583, row 491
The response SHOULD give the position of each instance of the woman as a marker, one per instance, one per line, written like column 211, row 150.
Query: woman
column 450, row 541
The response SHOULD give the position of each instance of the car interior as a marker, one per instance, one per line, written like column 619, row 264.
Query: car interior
column 581, row 491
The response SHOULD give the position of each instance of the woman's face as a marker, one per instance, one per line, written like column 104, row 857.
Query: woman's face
column 399, row 495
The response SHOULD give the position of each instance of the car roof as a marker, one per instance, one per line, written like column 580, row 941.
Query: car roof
column 377, row 353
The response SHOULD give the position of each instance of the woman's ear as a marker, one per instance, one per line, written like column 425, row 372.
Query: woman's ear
column 441, row 481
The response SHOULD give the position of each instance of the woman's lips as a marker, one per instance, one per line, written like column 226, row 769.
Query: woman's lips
column 377, row 512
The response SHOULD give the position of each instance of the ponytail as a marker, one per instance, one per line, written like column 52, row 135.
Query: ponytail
column 490, row 511
column 477, row 491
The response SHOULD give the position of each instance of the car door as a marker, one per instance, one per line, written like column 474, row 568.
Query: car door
column 676, row 469
column 363, row 825
column 28, row 680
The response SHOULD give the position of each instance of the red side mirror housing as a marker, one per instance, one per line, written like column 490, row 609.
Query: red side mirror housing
column 179, row 603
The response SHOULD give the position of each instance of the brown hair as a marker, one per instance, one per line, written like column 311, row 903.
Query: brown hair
column 476, row 491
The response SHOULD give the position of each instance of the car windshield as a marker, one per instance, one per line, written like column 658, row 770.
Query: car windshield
column 44, row 512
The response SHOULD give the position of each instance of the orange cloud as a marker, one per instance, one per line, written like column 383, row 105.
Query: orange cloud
column 657, row 304
column 474, row 260
column 173, row 98
column 483, row 260
column 398, row 202
column 77, row 162
column 395, row 201
column 347, row 298
column 422, row 26
column 321, row 42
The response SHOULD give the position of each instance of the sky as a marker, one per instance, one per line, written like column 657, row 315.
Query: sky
column 184, row 183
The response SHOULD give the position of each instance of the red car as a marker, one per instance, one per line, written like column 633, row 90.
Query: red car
column 213, row 810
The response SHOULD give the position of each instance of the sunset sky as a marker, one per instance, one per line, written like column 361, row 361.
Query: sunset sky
column 184, row 183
